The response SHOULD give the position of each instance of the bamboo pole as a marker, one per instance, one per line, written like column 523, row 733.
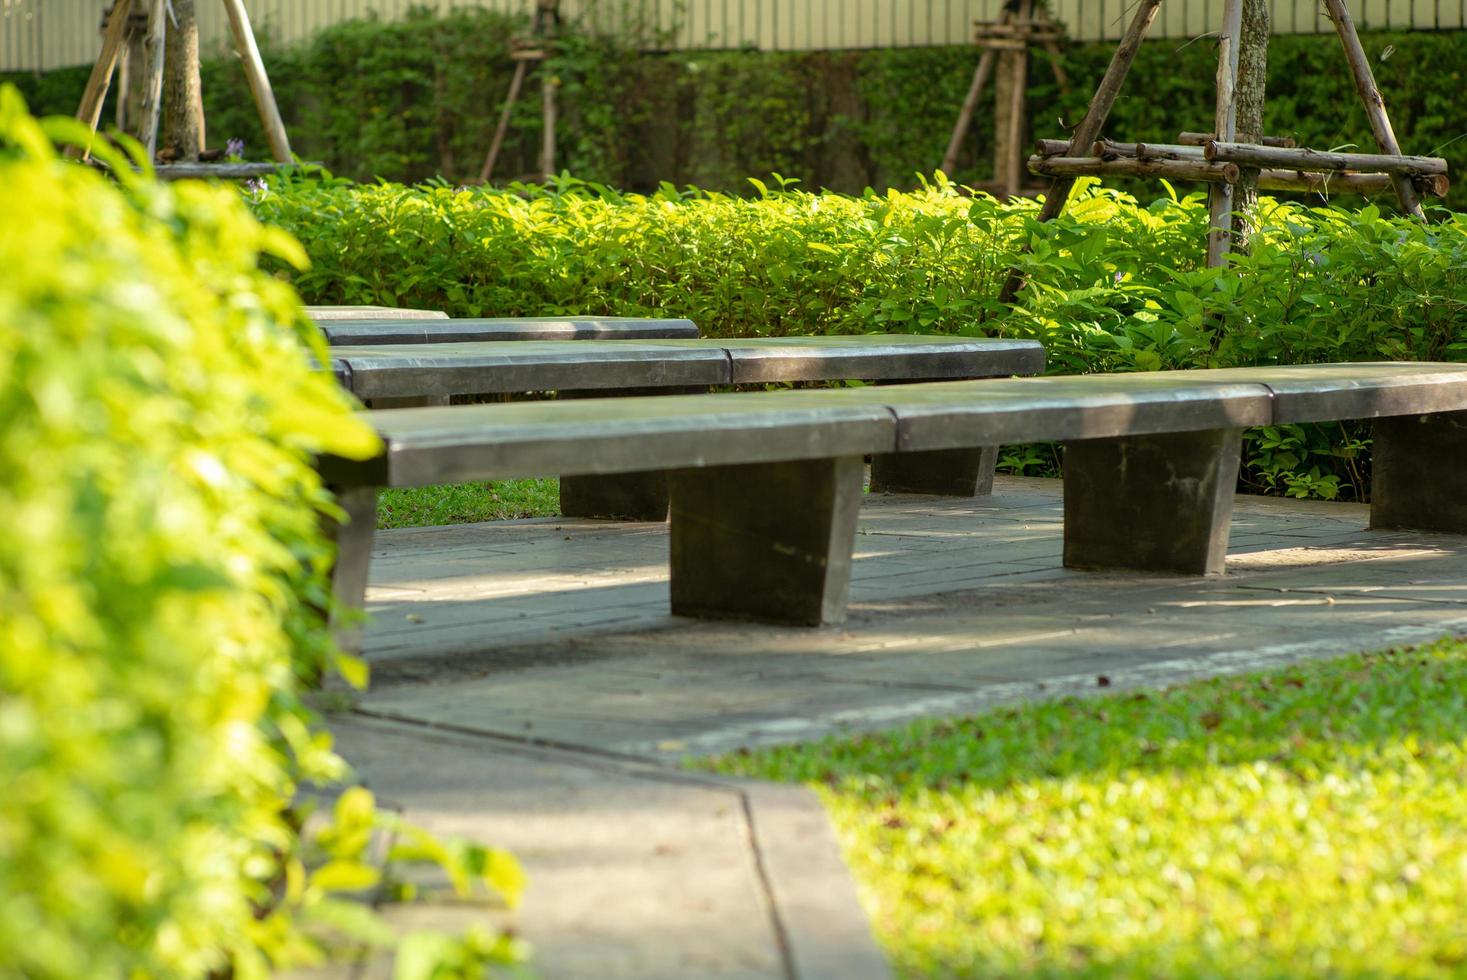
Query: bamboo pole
column 90, row 109
column 965, row 114
column 1110, row 149
column 1105, row 96
column 1254, row 155
column 1220, row 196
column 1202, row 139
column 549, row 112
column 1012, row 146
column 1380, row 123
column 254, row 69
column 1343, row 183
column 516, row 80
column 1215, row 173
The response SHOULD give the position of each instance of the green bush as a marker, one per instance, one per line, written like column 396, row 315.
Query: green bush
column 163, row 591
column 1113, row 285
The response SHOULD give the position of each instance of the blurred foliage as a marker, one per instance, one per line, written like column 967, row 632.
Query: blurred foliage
column 163, row 585
column 417, row 98
column 1113, row 285
column 1299, row 823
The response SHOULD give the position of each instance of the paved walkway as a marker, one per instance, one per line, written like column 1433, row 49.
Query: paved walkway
column 530, row 690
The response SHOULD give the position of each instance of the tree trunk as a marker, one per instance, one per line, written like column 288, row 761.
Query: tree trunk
column 183, row 104
column 1252, row 79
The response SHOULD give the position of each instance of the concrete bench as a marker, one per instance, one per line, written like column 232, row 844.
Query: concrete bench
column 330, row 314
column 358, row 332
column 766, row 486
column 387, row 376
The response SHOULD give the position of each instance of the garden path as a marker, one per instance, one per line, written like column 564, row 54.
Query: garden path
column 531, row 689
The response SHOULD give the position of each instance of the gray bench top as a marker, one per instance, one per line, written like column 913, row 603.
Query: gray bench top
column 385, row 371
column 433, row 445
column 327, row 314
column 346, row 332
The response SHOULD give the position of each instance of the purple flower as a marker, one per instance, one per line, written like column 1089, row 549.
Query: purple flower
column 234, row 148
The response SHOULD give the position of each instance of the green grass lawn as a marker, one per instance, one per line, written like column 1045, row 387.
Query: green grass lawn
column 464, row 503
column 1305, row 822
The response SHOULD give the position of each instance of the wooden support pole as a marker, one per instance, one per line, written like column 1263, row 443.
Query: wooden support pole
column 254, row 69
column 1436, row 185
column 1202, row 139
column 1008, row 154
column 154, row 46
column 90, row 109
column 1216, row 173
column 965, row 114
column 1110, row 150
column 1254, row 155
column 1220, row 197
column 549, row 115
column 1380, row 123
column 516, row 80
column 183, row 118
column 1088, row 131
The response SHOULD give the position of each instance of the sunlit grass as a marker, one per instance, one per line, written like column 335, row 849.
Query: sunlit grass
column 466, row 503
column 1305, row 822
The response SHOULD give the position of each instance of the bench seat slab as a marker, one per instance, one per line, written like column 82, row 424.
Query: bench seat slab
column 1419, row 473
column 770, row 542
column 1154, row 503
column 940, row 472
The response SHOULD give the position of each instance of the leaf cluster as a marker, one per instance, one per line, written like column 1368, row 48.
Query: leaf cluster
column 163, row 577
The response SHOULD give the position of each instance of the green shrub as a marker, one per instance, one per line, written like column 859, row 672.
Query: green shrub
column 163, row 592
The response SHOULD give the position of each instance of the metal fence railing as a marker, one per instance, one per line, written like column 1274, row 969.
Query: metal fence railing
column 45, row 34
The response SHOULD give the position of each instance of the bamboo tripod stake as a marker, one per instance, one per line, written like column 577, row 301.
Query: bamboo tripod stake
column 90, row 110
column 1020, row 23
column 1404, row 173
column 525, row 51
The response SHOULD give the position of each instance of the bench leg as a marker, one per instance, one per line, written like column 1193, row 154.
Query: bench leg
column 770, row 542
column 353, row 556
column 1159, row 503
column 942, row 472
column 640, row 496
column 1419, row 470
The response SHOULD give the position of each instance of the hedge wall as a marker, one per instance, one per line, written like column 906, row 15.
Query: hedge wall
column 418, row 98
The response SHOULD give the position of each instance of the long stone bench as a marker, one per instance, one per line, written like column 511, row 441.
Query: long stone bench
column 383, row 330
column 766, row 486
column 391, row 375
column 330, row 314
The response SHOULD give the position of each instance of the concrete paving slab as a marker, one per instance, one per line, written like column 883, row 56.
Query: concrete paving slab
column 635, row 871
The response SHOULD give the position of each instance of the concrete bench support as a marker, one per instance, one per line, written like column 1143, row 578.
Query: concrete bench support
column 765, row 541
column 1154, row 503
column 640, row 496
column 941, row 472
column 353, row 557
column 1419, row 473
